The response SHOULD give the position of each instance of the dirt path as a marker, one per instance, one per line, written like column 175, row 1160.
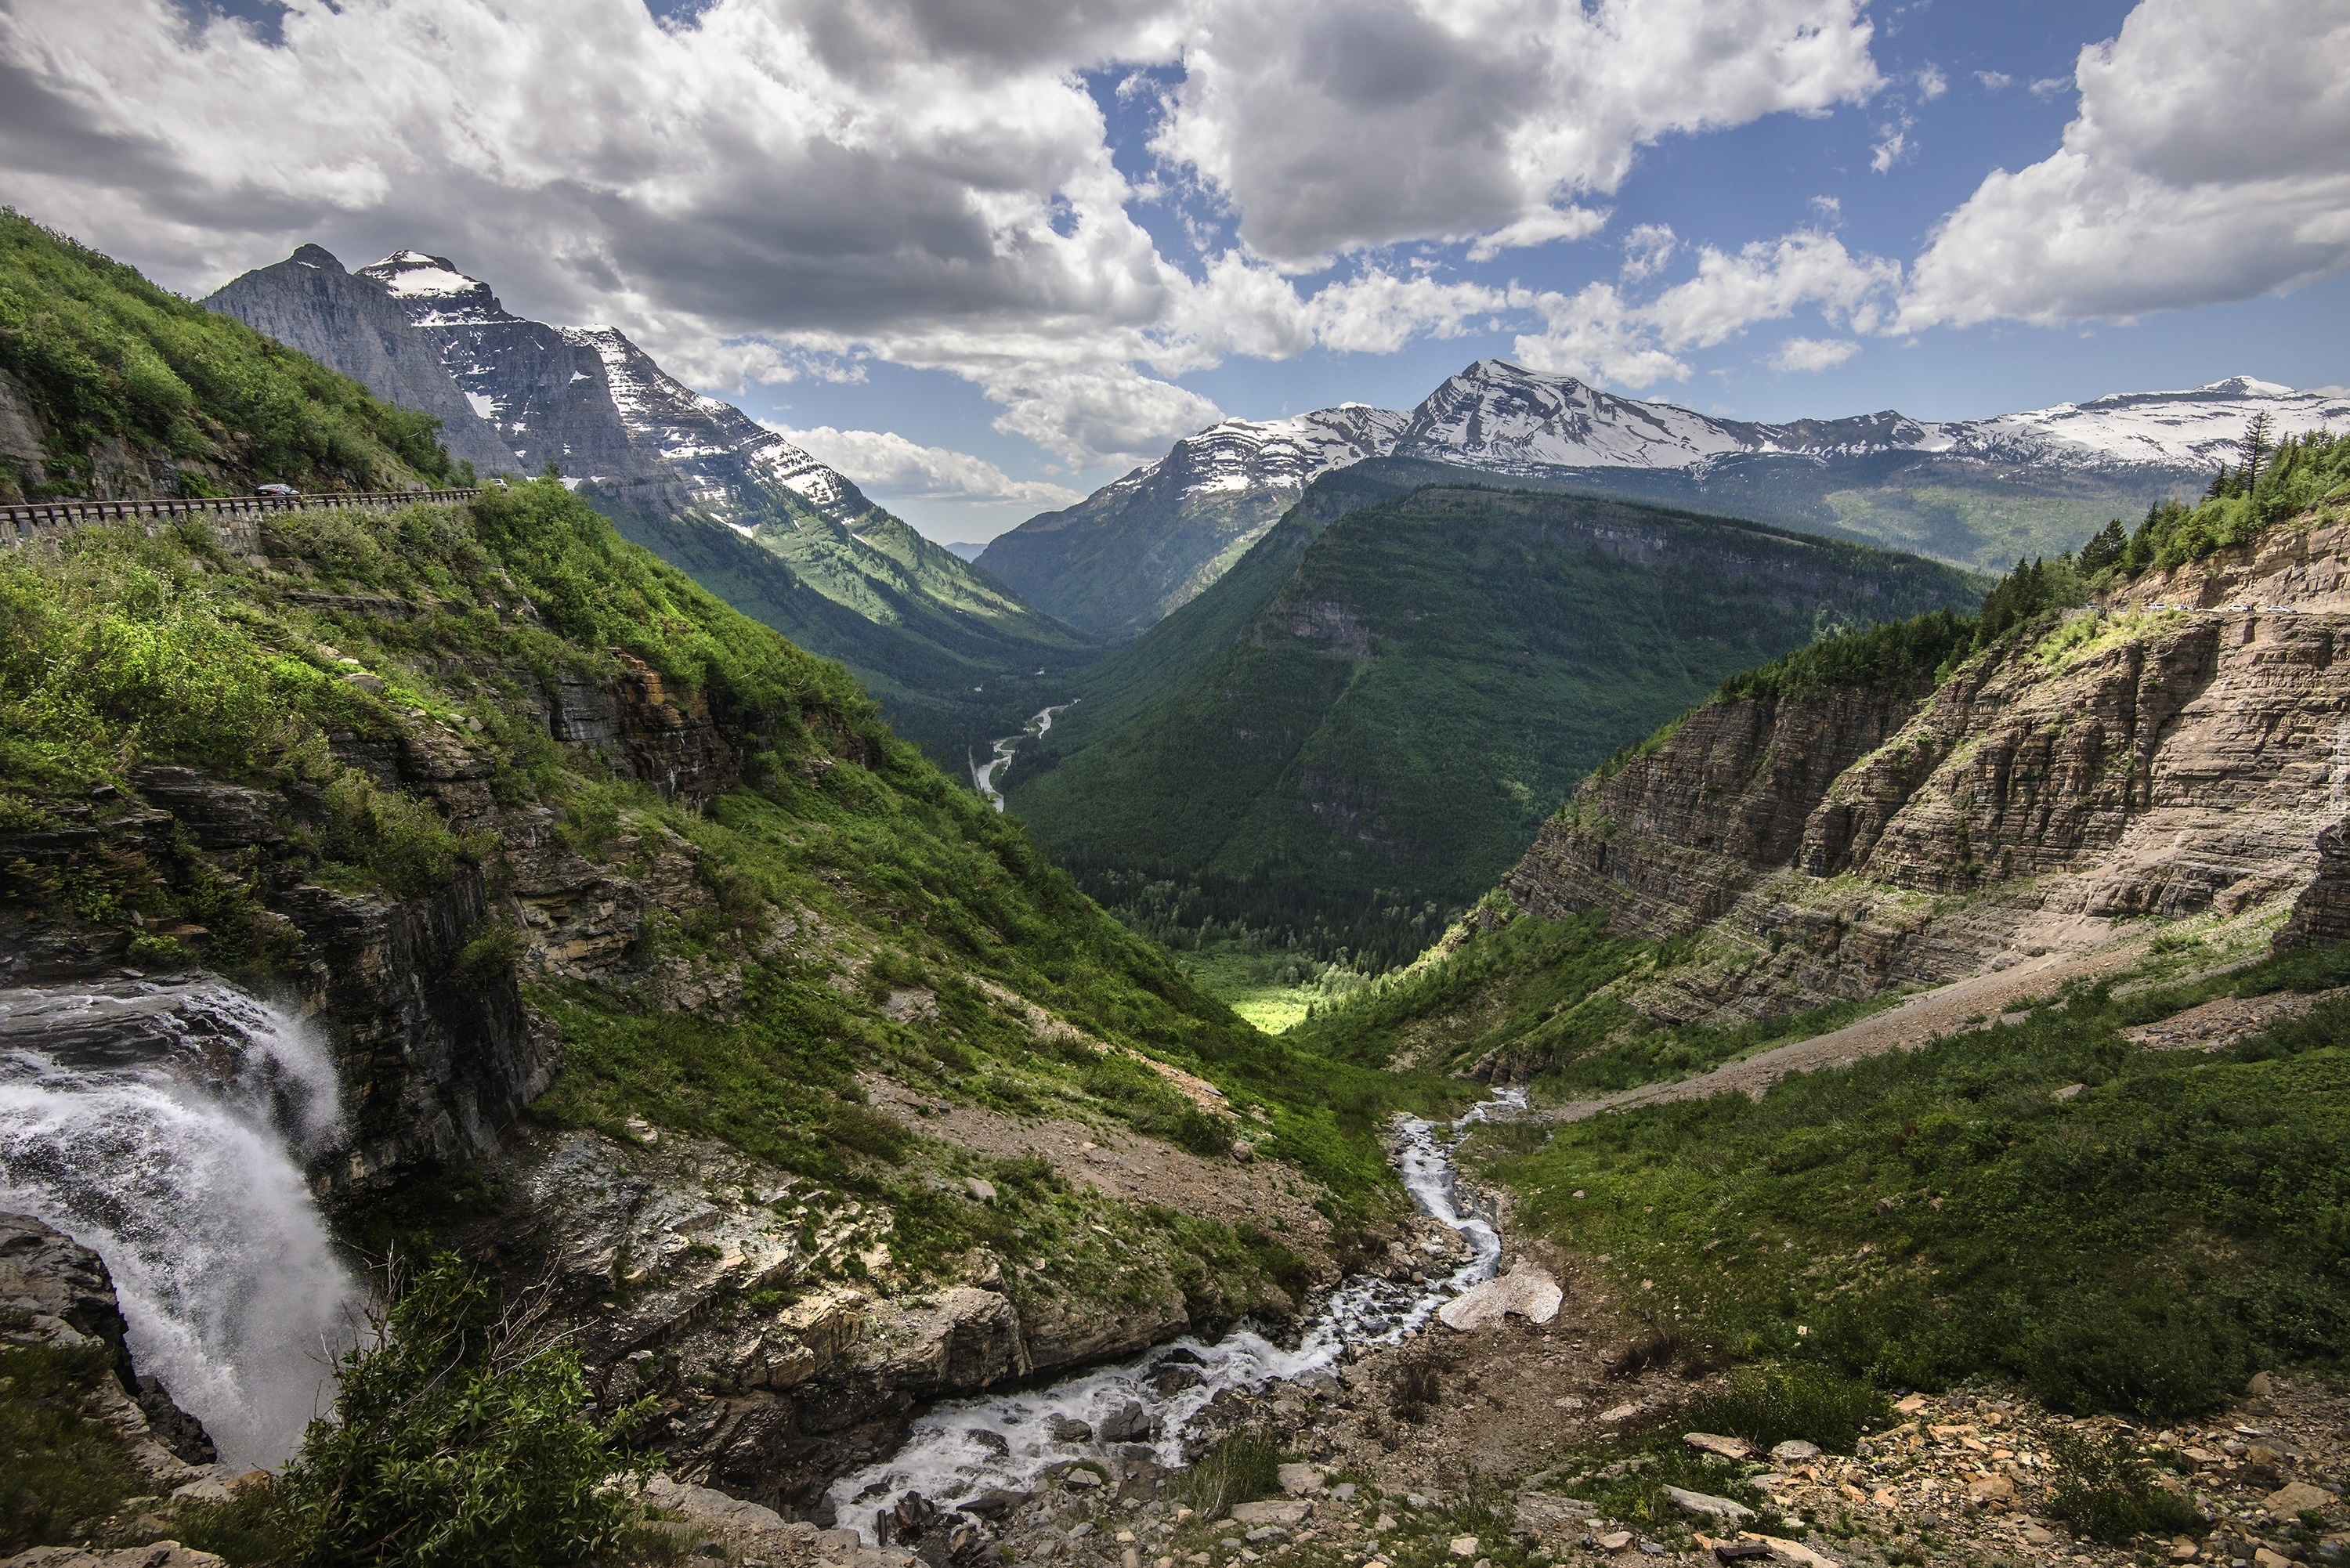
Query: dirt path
column 1945, row 1010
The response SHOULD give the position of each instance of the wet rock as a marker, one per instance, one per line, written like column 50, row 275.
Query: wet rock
column 1069, row 1429
column 1170, row 1380
column 1132, row 1423
column 993, row 1503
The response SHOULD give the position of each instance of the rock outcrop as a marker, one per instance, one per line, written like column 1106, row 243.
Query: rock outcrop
column 2321, row 916
column 54, row 1292
column 1670, row 840
column 2144, row 758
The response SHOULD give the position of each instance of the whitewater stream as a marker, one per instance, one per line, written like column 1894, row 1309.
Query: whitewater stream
column 164, row 1127
column 961, row 1449
column 984, row 774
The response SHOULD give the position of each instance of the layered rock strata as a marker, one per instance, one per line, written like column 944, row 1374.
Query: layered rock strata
column 2178, row 750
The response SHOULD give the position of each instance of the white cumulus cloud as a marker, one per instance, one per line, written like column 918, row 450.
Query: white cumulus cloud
column 2208, row 160
column 893, row 467
column 1808, row 354
column 790, row 189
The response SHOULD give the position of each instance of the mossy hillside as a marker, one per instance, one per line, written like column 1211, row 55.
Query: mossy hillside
column 64, row 1468
column 846, row 869
column 2141, row 1244
column 103, row 355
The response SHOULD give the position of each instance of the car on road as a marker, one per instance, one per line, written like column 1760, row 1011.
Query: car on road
column 277, row 489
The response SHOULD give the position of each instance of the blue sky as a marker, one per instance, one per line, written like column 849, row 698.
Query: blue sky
column 985, row 256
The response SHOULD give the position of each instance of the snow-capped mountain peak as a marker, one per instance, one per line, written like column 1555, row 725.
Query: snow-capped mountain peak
column 432, row 291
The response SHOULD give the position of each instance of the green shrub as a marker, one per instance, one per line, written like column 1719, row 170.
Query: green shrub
column 462, row 1438
column 2105, row 1488
column 1241, row 1467
column 1767, row 1406
column 493, row 954
column 62, row 1470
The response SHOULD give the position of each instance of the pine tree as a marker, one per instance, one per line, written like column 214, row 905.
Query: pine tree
column 2258, row 441
column 2108, row 547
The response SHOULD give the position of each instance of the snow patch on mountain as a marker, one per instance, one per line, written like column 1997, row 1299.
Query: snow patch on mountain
column 1282, row 455
column 1504, row 419
column 2197, row 429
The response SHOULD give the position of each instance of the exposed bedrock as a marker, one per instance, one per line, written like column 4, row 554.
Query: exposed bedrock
column 2162, row 761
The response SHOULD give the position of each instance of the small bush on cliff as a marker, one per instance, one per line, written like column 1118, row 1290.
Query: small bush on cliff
column 463, row 1437
column 63, row 1470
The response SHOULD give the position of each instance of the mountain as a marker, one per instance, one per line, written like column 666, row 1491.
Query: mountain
column 1370, row 716
column 1976, row 493
column 793, row 541
column 1118, row 561
column 966, row 549
column 310, row 303
column 112, row 388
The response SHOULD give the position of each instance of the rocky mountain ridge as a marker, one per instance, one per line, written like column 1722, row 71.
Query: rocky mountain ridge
column 1977, row 491
column 688, row 475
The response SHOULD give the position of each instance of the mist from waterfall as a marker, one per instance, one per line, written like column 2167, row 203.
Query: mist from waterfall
column 164, row 1127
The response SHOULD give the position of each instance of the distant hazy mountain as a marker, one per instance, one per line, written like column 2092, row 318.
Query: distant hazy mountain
column 1120, row 559
column 1977, row 492
column 690, row 477
column 966, row 549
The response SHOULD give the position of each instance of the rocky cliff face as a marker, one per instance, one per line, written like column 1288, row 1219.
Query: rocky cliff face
column 2180, row 749
column 1672, row 840
column 351, row 323
column 57, row 1294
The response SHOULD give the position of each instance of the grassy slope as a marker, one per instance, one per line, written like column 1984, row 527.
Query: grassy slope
column 1932, row 1215
column 921, row 661
column 103, row 355
column 1508, row 655
column 126, row 648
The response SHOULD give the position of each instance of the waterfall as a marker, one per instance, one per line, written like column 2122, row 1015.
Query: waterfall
column 164, row 1127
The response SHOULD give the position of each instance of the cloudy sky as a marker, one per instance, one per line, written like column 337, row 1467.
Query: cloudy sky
column 984, row 254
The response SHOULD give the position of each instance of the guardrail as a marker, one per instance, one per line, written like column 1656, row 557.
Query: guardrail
column 54, row 519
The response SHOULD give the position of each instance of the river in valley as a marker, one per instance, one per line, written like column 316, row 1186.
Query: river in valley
column 986, row 774
column 164, row 1127
column 964, row 1448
